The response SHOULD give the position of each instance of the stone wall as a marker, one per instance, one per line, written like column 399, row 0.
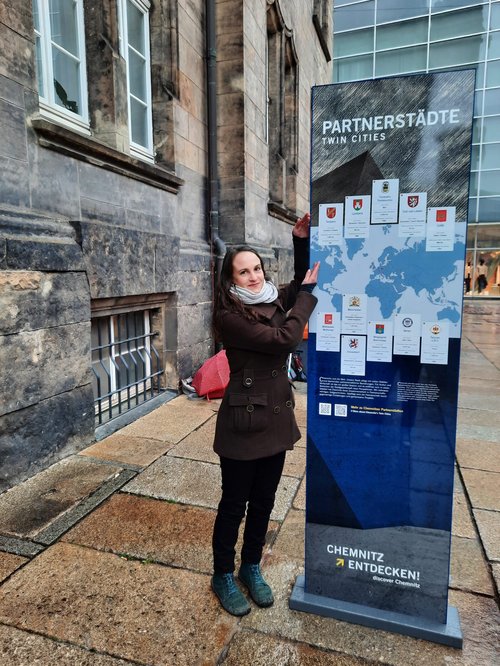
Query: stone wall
column 83, row 220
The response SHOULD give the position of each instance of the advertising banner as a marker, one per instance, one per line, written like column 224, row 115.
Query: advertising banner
column 389, row 194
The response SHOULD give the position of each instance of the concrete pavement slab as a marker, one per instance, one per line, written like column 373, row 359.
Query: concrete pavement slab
column 478, row 371
column 255, row 649
column 20, row 648
column 482, row 417
column 473, row 357
column 149, row 529
column 479, row 617
column 488, row 524
column 179, row 480
column 301, row 418
column 469, row 570
column 462, row 524
column 299, row 501
column 65, row 521
column 295, row 462
column 173, row 421
column 127, row 449
column 482, row 488
column 144, row 612
column 302, row 443
column 290, row 541
column 26, row 509
column 9, row 563
column 492, row 353
column 300, row 394
column 470, row 398
column 198, row 483
column 475, row 454
column 153, row 530
column 198, row 445
column 485, row 335
column 481, row 432
column 476, row 384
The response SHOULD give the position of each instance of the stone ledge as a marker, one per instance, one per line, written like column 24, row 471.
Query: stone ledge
column 30, row 225
column 62, row 140
column 281, row 212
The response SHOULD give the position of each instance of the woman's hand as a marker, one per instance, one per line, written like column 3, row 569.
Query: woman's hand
column 312, row 274
column 301, row 228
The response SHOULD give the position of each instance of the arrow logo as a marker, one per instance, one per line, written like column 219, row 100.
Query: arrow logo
column 340, row 562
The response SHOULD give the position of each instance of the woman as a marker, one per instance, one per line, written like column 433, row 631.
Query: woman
column 259, row 326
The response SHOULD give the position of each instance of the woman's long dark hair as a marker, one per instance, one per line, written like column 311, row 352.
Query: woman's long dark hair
column 224, row 300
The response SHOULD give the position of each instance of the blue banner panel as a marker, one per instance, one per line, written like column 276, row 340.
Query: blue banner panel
column 389, row 191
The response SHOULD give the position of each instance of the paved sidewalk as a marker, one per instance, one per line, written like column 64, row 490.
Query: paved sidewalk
column 105, row 557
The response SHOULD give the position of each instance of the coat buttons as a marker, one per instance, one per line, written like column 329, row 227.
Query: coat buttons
column 248, row 381
column 276, row 410
column 250, row 408
column 274, row 373
column 288, row 403
column 283, row 367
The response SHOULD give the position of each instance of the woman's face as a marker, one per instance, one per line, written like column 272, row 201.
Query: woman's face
column 247, row 271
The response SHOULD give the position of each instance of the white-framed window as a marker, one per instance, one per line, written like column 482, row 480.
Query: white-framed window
column 135, row 49
column 60, row 61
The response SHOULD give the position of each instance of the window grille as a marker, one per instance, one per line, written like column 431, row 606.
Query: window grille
column 126, row 366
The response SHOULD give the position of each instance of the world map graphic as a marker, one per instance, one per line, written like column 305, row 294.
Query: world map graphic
column 397, row 275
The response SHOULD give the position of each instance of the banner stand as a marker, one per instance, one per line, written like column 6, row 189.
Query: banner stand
column 446, row 634
column 390, row 171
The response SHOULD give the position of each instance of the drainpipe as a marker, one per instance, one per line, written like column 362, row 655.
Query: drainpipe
column 217, row 244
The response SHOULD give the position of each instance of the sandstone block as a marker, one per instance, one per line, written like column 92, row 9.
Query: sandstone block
column 33, row 300
column 39, row 435
column 42, row 363
column 124, row 262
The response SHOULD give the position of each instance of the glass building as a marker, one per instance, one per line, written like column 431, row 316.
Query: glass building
column 375, row 38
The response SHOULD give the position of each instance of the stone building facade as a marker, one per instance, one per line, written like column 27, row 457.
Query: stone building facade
column 106, row 222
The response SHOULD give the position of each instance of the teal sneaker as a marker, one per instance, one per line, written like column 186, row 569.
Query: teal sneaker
column 261, row 593
column 229, row 594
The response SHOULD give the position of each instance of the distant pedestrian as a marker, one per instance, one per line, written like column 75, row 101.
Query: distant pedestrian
column 481, row 276
column 467, row 277
column 259, row 326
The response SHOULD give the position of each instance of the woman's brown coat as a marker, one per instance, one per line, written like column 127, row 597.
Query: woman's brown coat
column 256, row 418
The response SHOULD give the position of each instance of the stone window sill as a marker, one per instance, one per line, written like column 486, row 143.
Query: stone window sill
column 281, row 212
column 87, row 149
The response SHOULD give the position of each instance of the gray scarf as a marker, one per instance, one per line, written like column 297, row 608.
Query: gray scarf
column 267, row 294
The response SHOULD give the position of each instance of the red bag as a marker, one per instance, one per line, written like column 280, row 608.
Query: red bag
column 213, row 377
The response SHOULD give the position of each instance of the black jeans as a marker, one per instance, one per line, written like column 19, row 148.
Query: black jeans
column 245, row 481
